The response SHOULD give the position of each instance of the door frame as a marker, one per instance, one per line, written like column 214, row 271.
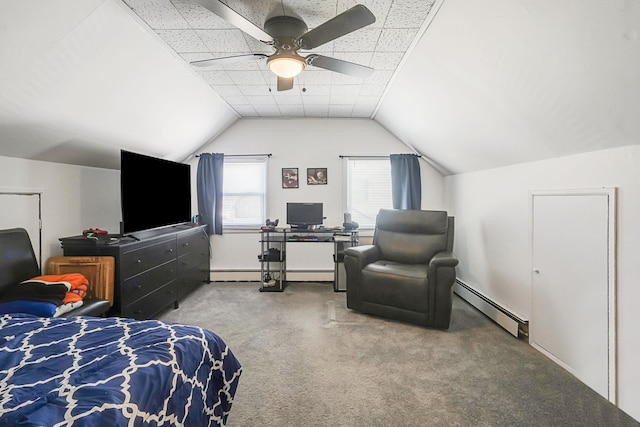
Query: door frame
column 610, row 193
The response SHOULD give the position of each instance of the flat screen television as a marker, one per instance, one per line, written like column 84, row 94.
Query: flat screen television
column 154, row 192
column 304, row 215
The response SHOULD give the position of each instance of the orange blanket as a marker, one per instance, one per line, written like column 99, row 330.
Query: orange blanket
column 77, row 285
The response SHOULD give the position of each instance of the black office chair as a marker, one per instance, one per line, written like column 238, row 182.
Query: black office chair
column 408, row 272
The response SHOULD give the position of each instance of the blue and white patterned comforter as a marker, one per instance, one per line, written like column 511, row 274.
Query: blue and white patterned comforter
column 87, row 371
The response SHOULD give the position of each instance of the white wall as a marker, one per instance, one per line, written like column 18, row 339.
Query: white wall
column 493, row 241
column 73, row 197
column 302, row 144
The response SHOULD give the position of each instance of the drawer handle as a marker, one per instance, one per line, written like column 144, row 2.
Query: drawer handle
column 138, row 261
column 139, row 287
column 185, row 244
column 170, row 250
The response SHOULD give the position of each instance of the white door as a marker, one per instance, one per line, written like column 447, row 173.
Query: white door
column 573, row 274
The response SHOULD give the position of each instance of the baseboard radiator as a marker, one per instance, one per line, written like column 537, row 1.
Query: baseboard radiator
column 514, row 324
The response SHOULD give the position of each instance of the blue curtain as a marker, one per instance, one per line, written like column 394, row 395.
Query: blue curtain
column 406, row 187
column 209, row 182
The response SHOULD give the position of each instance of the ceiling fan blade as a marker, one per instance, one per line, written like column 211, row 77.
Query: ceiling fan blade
column 228, row 59
column 235, row 19
column 285, row 83
column 348, row 21
column 339, row 66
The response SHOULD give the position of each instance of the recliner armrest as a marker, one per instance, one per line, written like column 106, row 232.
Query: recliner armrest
column 365, row 254
column 443, row 259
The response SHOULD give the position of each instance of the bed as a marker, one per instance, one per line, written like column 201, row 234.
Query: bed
column 97, row 371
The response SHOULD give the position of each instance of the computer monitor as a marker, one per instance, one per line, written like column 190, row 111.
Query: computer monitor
column 304, row 215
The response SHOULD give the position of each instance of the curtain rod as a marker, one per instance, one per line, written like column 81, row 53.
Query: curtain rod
column 374, row 157
column 244, row 155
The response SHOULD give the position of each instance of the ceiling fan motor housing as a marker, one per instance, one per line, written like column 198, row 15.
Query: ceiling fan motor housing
column 285, row 31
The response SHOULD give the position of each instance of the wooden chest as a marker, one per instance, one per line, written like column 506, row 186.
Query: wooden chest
column 99, row 271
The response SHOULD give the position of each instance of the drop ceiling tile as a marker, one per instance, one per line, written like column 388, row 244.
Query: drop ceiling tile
column 227, row 90
column 340, row 110
column 256, row 100
column 284, row 98
column 386, row 60
column 291, row 110
column 340, row 99
column 224, row 40
column 236, row 99
column 255, row 90
column 195, row 56
column 314, row 76
column 198, row 17
column 215, row 77
column 408, row 13
column 316, row 110
column 379, row 8
column 396, row 40
column 363, row 110
column 380, row 77
column 362, row 40
column 183, row 40
column 345, row 90
column 266, row 110
column 372, row 90
column 248, row 78
column 343, row 79
column 315, row 100
column 246, row 110
column 317, row 90
column 158, row 14
column 365, row 100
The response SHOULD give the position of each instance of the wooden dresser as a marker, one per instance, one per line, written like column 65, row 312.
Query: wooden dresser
column 153, row 271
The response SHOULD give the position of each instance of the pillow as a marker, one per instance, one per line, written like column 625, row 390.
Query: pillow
column 35, row 308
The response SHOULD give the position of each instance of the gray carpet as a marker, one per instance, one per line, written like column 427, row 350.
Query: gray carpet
column 309, row 361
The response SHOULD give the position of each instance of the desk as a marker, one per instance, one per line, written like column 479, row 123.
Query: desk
column 273, row 253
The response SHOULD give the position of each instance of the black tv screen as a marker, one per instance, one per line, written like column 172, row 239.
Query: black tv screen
column 302, row 215
column 154, row 192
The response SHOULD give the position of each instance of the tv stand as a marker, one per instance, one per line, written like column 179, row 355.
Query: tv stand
column 153, row 270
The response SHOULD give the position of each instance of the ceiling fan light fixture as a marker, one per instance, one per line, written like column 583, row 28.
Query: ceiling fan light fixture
column 286, row 66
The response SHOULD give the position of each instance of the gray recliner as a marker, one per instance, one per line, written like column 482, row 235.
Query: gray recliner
column 408, row 272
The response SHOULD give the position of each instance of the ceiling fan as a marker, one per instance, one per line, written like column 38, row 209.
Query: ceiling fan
column 287, row 35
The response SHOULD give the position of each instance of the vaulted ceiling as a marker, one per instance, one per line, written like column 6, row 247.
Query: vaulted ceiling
column 470, row 85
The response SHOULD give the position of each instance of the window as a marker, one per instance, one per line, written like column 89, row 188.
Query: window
column 368, row 189
column 244, row 192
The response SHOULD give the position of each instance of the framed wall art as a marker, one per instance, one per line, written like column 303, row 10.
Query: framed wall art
column 289, row 177
column 316, row 176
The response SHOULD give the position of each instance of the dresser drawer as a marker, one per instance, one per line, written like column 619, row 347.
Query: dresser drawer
column 193, row 241
column 191, row 279
column 138, row 286
column 152, row 303
column 190, row 260
column 142, row 259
